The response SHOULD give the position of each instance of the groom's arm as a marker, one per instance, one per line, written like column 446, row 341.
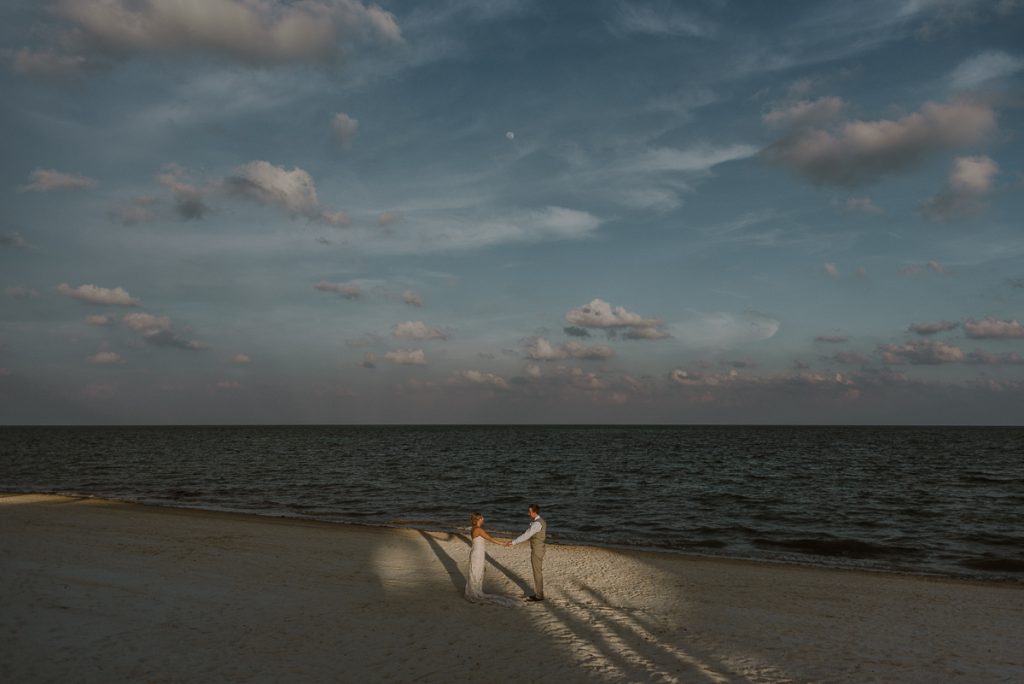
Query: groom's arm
column 533, row 529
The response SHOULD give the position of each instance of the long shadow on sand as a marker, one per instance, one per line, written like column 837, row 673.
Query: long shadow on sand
column 451, row 566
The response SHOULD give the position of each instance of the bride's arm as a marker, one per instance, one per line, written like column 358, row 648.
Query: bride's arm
column 488, row 537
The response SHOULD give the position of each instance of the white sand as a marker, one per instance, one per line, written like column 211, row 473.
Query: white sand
column 96, row 591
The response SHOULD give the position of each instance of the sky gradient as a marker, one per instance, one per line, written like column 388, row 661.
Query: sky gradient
column 324, row 211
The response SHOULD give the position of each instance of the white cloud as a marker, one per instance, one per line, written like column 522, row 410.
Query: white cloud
column 725, row 329
column 241, row 359
column 345, row 128
column 479, row 378
column 993, row 328
column 105, row 357
column 386, row 218
column 832, row 270
column 350, row 290
column 600, row 314
column 44, row 180
column 157, row 330
column 418, row 330
column 805, row 113
column 92, row 294
column 533, row 371
column 252, row 31
column 294, row 190
column 668, row 159
column 540, row 349
column 924, row 352
column 100, row 321
column 984, row 67
column 861, row 151
column 407, row 357
column 412, row 298
column 969, row 182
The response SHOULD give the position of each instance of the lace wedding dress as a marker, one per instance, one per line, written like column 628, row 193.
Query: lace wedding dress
column 475, row 585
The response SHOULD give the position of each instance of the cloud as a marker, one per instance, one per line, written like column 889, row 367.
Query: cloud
column 100, row 321
column 660, row 20
column 338, row 219
column 345, row 129
column 92, row 294
column 45, row 180
column 540, row 349
column 645, row 334
column 993, row 328
column 805, row 113
column 157, row 330
column 386, row 218
column 989, row 359
column 20, row 292
column 105, row 357
column 533, row 371
column 252, row 31
column 984, row 67
column 293, row 190
column 832, row 339
column 189, row 199
column 670, row 159
column 135, row 211
column 862, row 151
column 241, row 359
column 863, row 204
column 932, row 328
column 725, row 329
column 576, row 331
column 969, row 182
column 12, row 240
column 350, row 290
column 832, row 270
column 479, row 378
column 916, row 269
column 417, row 330
column 600, row 314
column 407, row 358
column 921, row 353
column 412, row 299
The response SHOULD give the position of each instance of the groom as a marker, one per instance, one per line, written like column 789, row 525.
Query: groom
column 535, row 533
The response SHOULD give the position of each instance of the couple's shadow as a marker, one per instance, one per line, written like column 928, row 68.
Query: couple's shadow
column 452, row 566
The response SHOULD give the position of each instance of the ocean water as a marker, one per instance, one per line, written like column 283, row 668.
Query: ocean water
column 942, row 501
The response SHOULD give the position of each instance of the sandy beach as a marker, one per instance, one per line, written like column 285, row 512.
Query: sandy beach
column 100, row 591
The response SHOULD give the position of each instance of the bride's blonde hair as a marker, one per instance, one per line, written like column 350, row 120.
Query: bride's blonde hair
column 475, row 518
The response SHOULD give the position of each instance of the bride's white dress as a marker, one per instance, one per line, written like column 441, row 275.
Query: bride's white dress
column 475, row 585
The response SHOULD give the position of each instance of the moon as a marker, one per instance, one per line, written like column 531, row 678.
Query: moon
column 510, row 135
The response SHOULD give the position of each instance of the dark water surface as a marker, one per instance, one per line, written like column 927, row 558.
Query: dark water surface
column 946, row 501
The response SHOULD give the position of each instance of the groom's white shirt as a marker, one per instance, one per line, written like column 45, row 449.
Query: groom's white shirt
column 533, row 529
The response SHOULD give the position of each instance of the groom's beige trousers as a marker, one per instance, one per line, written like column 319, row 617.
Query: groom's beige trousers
column 537, row 555
column 537, row 561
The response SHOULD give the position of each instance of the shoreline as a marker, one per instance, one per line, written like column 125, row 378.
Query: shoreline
column 1005, row 580
column 97, row 590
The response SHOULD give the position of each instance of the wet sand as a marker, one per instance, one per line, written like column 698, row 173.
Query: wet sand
column 100, row 591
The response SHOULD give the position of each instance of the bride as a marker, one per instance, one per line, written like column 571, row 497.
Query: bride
column 477, row 559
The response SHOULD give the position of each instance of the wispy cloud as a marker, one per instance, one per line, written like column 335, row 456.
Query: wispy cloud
column 984, row 67
column 45, row 180
column 993, row 328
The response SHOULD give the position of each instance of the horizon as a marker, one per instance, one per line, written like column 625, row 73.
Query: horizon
column 343, row 213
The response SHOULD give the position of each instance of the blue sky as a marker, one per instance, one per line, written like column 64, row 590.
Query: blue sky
column 491, row 211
